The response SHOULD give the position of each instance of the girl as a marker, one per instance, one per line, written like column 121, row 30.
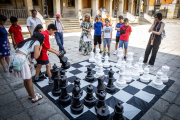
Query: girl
column 24, row 49
column 38, row 28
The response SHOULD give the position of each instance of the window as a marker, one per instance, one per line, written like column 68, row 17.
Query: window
column 71, row 3
column 5, row 1
column 35, row 2
column 87, row 3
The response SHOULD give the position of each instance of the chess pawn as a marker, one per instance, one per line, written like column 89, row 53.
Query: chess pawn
column 63, row 74
column 92, row 59
column 164, row 77
column 145, row 77
column 89, row 77
column 130, row 58
column 76, row 106
column 77, row 82
column 99, row 71
column 56, row 90
column 54, row 71
column 103, row 114
column 89, row 99
column 140, row 65
column 119, row 55
column 128, row 77
column 101, row 86
column 110, row 86
column 135, row 73
column 101, row 101
column 106, row 63
column 158, row 82
column 119, row 109
column 121, row 82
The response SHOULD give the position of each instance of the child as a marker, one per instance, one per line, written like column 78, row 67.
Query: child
column 107, row 35
column 118, row 26
column 97, row 33
column 43, row 58
column 15, row 31
column 38, row 29
column 124, row 38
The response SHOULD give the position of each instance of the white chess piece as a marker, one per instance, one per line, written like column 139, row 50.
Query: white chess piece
column 106, row 62
column 98, row 59
column 91, row 58
column 128, row 77
column 165, row 70
column 140, row 65
column 145, row 77
column 99, row 71
column 121, row 82
column 135, row 73
column 130, row 58
column 158, row 82
column 119, row 55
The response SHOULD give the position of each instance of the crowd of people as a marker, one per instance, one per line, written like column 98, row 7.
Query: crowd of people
column 36, row 47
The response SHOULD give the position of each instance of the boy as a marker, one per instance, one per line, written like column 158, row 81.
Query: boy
column 15, row 31
column 107, row 35
column 43, row 58
column 124, row 38
column 118, row 26
column 97, row 33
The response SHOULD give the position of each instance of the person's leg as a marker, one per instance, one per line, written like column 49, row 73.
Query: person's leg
column 48, row 71
column 2, row 62
column 109, row 45
column 117, row 43
column 58, row 40
column 125, row 47
column 99, row 42
column 7, row 60
column 29, row 87
column 120, row 44
column 26, row 86
column 147, row 52
column 38, row 69
column 95, row 43
column 105, row 42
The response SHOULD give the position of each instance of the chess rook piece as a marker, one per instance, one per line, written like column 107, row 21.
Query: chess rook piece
column 54, row 71
column 99, row 71
column 130, row 58
column 128, row 77
column 110, row 86
column 89, row 99
column 77, row 82
column 103, row 114
column 101, row 101
column 121, row 82
column 164, row 70
column 89, row 77
column 120, row 56
column 64, row 97
column 76, row 106
column 101, row 86
column 135, row 72
column 106, row 63
column 92, row 59
column 145, row 77
column 140, row 63
column 119, row 109
column 158, row 82
column 63, row 60
column 56, row 90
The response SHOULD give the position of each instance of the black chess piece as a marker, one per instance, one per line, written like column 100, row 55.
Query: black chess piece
column 103, row 114
column 89, row 99
column 63, row 60
column 63, row 74
column 110, row 88
column 77, row 82
column 101, row 86
column 76, row 107
column 119, row 109
column 101, row 101
column 56, row 90
column 89, row 77
column 54, row 71
column 64, row 97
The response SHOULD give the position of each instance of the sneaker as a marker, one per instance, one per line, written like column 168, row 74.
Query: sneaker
column 149, row 65
column 104, row 54
column 50, row 81
column 109, row 54
column 5, row 69
column 115, row 52
column 125, row 58
column 100, row 51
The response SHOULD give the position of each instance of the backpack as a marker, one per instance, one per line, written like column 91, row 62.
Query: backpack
column 163, row 34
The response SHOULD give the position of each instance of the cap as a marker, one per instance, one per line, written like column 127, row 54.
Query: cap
column 58, row 15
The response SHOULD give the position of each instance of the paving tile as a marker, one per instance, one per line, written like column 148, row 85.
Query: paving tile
column 151, row 114
column 166, row 118
column 174, row 88
column 17, row 85
column 169, row 96
column 57, row 117
column 161, row 105
column 21, row 116
column 21, row 93
column 2, row 81
column 174, row 111
column 7, row 98
column 4, row 89
column 177, row 101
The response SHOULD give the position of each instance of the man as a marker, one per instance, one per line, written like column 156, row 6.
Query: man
column 59, row 32
column 32, row 22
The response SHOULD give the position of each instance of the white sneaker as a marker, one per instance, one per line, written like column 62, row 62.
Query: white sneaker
column 115, row 52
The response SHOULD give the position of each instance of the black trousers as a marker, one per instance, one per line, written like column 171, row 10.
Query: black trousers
column 154, row 48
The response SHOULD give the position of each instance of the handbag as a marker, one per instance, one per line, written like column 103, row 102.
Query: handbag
column 123, row 31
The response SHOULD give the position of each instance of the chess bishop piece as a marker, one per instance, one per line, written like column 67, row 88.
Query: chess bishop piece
column 145, row 77
column 121, row 82
column 77, row 82
column 99, row 71
column 128, row 77
column 119, row 109
column 106, row 63
column 164, row 77
column 140, row 63
column 92, row 59
column 89, row 77
column 135, row 72
column 158, row 82
column 64, row 61
column 130, row 58
column 76, row 107
column 101, row 86
column 110, row 86
column 120, row 56
column 103, row 114
column 89, row 99
column 101, row 101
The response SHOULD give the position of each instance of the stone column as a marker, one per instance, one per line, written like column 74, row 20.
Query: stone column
column 95, row 5
column 139, row 7
column 56, row 7
column 121, row 7
column 104, row 3
column 78, row 6
column 130, row 6
column 109, row 6
column 29, row 6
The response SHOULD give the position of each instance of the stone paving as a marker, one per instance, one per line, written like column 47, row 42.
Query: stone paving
column 14, row 104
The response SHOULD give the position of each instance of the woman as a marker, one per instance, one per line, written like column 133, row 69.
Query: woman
column 86, row 26
column 155, row 39
column 23, row 50
column 38, row 28
column 4, row 43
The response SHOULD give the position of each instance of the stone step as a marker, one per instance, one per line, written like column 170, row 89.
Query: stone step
column 72, row 30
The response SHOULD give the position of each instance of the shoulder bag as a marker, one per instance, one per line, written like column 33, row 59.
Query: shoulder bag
column 123, row 31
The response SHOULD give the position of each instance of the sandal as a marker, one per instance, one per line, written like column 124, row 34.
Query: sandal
column 30, row 98
column 84, row 54
column 37, row 98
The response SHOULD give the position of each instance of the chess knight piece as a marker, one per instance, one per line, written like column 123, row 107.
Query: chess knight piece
column 89, row 77
column 63, row 60
column 110, row 86
column 101, row 86
column 103, row 114
column 89, row 99
column 119, row 109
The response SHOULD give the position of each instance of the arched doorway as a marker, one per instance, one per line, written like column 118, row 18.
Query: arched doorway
column 50, row 8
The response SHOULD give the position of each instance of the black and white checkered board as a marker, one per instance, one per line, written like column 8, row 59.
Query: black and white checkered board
column 137, row 97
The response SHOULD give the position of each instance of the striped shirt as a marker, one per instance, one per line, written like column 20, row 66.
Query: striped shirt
column 59, row 25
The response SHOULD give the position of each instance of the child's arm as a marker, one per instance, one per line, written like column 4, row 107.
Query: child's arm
column 14, row 42
column 118, row 29
column 129, row 33
column 29, row 29
column 111, row 35
column 54, row 51
column 151, row 28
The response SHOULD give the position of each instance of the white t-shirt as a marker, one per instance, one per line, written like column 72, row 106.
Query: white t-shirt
column 25, row 48
column 33, row 23
column 107, row 31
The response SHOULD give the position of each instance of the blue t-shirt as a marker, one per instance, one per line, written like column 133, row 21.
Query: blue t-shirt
column 97, row 27
column 119, row 26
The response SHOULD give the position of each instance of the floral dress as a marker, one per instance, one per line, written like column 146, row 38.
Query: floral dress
column 85, row 47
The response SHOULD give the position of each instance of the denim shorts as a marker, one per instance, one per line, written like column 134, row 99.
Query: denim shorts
column 121, row 42
column 107, row 41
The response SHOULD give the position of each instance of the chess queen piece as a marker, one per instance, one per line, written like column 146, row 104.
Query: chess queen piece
column 103, row 113
column 121, row 82
column 135, row 72
column 158, row 81
column 106, row 63
column 101, row 86
column 89, row 99
column 92, row 59
column 145, row 77
column 64, row 60
column 110, row 86
column 77, row 82
column 120, row 56
column 76, row 107
column 140, row 63
column 89, row 77
column 101, row 101
column 119, row 110
column 130, row 58
column 128, row 77
column 165, row 70
column 99, row 71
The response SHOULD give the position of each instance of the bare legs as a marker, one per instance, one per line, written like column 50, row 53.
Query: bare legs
column 116, row 45
column 29, row 87
column 48, row 69
column 3, row 62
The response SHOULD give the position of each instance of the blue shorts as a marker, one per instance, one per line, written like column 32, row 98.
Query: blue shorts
column 121, row 42
column 107, row 41
column 42, row 62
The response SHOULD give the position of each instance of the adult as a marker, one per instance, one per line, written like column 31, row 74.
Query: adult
column 80, row 16
column 156, row 30
column 86, row 26
column 107, row 16
column 4, row 43
column 59, row 32
column 98, row 15
column 33, row 21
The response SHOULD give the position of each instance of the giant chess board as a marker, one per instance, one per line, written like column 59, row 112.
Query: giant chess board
column 137, row 97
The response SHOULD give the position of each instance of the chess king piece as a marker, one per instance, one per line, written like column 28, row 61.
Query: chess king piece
column 164, row 70
column 121, row 82
column 120, row 56
column 76, row 106
column 101, row 101
column 63, row 60
column 89, row 99
column 54, row 71
column 92, row 59
column 158, row 82
column 110, row 86
column 119, row 109
column 106, row 63
column 140, row 63
column 89, row 77
column 101, row 86
column 99, row 71
column 130, row 58
column 145, row 77
column 77, row 82
column 64, row 97
column 135, row 72
column 103, row 114
column 128, row 77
